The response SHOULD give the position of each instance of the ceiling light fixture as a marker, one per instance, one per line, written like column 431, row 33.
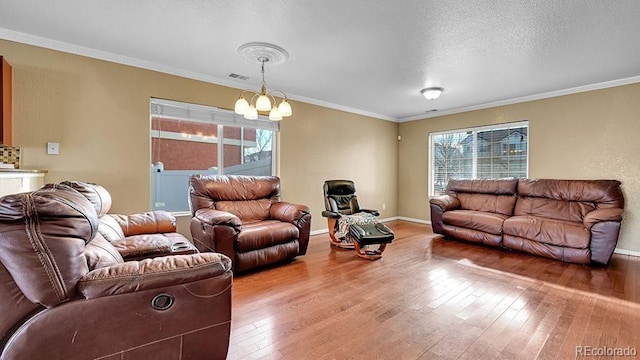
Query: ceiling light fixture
column 431, row 93
column 263, row 101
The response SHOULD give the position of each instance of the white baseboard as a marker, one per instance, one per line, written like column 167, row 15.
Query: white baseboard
column 318, row 232
column 420, row 221
column 626, row 252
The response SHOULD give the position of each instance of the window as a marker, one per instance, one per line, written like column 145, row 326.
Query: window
column 488, row 152
column 191, row 139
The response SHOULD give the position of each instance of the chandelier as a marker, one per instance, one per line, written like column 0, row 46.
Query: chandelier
column 263, row 101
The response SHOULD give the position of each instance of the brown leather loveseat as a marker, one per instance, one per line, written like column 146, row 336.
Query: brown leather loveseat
column 570, row 220
column 244, row 218
column 66, row 292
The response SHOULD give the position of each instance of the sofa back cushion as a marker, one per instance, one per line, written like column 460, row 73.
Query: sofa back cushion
column 568, row 200
column 96, row 194
column 488, row 195
column 101, row 253
column 42, row 240
column 247, row 197
column 149, row 222
column 340, row 197
column 247, row 210
column 110, row 229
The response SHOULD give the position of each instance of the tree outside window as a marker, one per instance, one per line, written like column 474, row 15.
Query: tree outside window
column 482, row 153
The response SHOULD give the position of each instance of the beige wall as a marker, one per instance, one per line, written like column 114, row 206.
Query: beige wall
column 590, row 135
column 326, row 144
column 99, row 113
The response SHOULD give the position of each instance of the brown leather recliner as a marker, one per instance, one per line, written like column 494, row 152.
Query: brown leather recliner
column 135, row 236
column 360, row 229
column 66, row 293
column 244, row 218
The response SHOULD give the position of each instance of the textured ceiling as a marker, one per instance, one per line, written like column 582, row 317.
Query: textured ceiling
column 370, row 57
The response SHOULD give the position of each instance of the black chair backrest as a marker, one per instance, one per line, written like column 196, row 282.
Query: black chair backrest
column 340, row 196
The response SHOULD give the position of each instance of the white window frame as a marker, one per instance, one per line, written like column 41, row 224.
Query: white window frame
column 474, row 130
column 169, row 109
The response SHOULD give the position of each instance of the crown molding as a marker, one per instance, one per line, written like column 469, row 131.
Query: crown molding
column 29, row 39
column 108, row 56
column 47, row 43
column 550, row 94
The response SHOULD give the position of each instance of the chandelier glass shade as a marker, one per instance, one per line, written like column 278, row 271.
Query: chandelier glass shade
column 263, row 101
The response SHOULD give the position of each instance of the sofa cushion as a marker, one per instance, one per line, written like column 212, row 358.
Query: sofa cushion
column 492, row 195
column 264, row 234
column 499, row 204
column 42, row 240
column 101, row 253
column 478, row 220
column 109, row 228
column 205, row 191
column 472, row 235
column 548, row 231
column 247, row 210
column 550, row 208
column 567, row 199
column 270, row 255
column 145, row 245
column 483, row 186
column 96, row 194
column 150, row 222
column 579, row 256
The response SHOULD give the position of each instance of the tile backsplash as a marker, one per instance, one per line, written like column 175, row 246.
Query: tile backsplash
column 10, row 155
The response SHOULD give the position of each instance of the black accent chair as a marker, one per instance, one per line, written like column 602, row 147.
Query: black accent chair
column 340, row 200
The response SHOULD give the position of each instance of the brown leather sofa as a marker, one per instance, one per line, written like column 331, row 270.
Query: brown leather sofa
column 135, row 236
column 66, row 293
column 570, row 220
column 244, row 218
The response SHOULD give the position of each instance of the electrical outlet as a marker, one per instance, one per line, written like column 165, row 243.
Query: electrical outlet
column 53, row 148
column 384, row 206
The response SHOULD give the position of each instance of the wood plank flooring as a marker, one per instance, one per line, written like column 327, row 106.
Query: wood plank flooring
column 432, row 298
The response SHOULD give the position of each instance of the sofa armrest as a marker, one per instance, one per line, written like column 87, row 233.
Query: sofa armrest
column 133, row 276
column 370, row 211
column 438, row 205
column 143, row 246
column 599, row 215
column 604, row 225
column 217, row 217
column 331, row 214
column 299, row 216
column 445, row 202
column 150, row 222
column 291, row 213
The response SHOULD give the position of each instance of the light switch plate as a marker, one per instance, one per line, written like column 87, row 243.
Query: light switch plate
column 53, row 148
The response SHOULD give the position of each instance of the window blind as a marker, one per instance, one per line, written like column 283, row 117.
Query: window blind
column 207, row 114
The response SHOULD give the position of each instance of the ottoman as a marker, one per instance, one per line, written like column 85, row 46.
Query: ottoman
column 370, row 234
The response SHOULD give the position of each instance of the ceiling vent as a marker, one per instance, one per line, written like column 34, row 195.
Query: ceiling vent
column 238, row 76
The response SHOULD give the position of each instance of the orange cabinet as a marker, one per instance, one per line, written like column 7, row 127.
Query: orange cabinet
column 5, row 103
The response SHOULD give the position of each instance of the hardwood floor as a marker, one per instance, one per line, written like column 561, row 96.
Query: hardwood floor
column 431, row 298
